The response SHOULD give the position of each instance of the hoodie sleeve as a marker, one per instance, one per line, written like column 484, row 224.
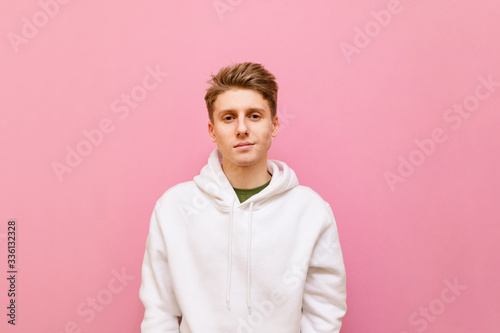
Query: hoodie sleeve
column 324, row 301
column 156, row 292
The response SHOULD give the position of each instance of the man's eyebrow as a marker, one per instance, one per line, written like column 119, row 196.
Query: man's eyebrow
column 257, row 108
column 249, row 110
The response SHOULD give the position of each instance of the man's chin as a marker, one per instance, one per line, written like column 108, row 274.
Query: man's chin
column 242, row 161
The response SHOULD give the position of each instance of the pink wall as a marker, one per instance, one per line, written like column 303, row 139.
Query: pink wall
column 386, row 111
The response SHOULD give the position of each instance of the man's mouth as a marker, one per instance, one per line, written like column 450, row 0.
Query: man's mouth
column 244, row 144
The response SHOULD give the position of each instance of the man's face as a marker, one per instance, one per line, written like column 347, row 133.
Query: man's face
column 242, row 126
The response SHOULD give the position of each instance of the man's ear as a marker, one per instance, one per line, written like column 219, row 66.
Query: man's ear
column 276, row 126
column 211, row 131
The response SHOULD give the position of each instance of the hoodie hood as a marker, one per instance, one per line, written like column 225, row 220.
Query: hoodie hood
column 214, row 182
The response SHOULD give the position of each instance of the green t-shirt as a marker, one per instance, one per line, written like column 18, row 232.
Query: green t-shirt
column 244, row 194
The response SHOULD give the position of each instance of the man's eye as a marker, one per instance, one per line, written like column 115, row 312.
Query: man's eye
column 228, row 117
column 255, row 116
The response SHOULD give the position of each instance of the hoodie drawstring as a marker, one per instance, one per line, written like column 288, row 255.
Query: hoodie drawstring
column 230, row 257
column 249, row 258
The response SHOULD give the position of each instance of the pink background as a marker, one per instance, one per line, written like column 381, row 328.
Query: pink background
column 348, row 120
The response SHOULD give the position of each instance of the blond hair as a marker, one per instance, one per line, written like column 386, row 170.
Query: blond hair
column 244, row 75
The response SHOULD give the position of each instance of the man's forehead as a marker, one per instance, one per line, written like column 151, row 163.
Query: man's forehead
column 237, row 99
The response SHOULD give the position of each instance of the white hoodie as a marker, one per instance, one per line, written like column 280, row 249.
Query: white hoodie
column 271, row 264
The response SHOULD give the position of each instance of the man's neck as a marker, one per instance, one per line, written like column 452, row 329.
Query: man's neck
column 246, row 177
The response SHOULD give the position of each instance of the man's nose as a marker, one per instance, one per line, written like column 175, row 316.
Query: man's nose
column 242, row 126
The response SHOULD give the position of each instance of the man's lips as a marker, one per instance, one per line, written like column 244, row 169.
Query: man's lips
column 243, row 144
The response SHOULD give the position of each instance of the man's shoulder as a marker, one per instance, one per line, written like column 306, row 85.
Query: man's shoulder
column 308, row 196
column 178, row 192
column 309, row 203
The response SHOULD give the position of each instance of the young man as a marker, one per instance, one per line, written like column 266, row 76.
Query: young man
column 243, row 247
